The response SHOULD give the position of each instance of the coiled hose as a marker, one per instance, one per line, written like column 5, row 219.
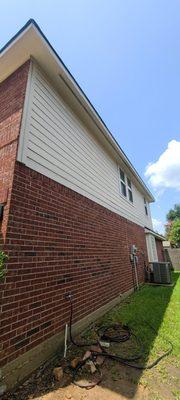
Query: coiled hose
column 122, row 336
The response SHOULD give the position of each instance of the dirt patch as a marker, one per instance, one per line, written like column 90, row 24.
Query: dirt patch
column 96, row 393
column 118, row 383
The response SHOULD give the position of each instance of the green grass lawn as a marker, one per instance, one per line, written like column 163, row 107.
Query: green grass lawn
column 159, row 306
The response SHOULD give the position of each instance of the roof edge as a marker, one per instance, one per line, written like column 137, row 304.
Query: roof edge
column 156, row 234
column 32, row 22
column 24, row 27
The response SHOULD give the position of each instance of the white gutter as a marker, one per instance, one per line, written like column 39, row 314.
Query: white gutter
column 155, row 234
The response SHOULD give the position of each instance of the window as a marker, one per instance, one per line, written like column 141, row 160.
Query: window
column 130, row 195
column 123, row 183
column 126, row 186
column 145, row 206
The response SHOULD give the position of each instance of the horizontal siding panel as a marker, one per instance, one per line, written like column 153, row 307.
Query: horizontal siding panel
column 60, row 146
column 73, row 124
column 61, row 139
column 67, row 174
column 59, row 175
column 68, row 160
column 74, row 172
column 43, row 169
column 70, row 135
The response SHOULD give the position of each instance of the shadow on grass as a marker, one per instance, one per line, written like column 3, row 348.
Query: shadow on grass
column 149, row 305
column 144, row 308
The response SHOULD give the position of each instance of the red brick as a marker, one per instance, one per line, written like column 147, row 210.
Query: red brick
column 12, row 93
column 160, row 250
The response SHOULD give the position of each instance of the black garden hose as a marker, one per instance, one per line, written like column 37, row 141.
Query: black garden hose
column 74, row 372
column 123, row 336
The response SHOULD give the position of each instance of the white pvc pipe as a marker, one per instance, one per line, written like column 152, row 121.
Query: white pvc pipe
column 65, row 340
column 136, row 275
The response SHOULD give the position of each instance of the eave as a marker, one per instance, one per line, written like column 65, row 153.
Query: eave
column 30, row 42
column 155, row 234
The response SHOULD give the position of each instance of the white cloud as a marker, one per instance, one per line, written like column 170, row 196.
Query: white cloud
column 165, row 172
column 158, row 225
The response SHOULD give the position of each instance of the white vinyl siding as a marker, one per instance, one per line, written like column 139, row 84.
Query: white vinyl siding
column 56, row 143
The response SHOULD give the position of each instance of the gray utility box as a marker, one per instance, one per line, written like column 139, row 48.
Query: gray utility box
column 161, row 272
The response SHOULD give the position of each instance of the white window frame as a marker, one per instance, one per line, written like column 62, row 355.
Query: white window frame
column 126, row 183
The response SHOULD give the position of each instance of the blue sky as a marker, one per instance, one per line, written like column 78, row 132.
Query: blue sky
column 125, row 55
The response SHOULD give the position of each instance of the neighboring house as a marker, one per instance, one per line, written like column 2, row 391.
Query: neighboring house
column 73, row 205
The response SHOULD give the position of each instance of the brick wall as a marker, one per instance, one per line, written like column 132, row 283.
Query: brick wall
column 59, row 241
column 12, row 92
column 160, row 250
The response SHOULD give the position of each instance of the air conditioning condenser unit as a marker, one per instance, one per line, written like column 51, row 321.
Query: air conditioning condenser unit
column 161, row 272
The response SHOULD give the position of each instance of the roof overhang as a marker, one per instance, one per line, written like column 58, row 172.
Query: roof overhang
column 155, row 234
column 30, row 42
